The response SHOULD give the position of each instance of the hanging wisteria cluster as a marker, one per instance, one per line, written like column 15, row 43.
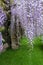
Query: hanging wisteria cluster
column 2, row 16
column 2, row 20
column 30, row 13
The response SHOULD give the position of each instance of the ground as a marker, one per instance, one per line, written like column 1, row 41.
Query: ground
column 23, row 55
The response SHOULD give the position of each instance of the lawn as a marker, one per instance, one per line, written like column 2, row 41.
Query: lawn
column 24, row 55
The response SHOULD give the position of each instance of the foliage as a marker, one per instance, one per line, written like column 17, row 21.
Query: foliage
column 1, row 28
column 24, row 41
column 38, row 40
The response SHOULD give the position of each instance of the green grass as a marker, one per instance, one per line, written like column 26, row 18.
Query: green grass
column 24, row 55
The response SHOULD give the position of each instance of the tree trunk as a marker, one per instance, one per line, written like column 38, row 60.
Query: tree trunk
column 14, row 28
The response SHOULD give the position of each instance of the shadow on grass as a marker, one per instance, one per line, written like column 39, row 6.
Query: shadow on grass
column 40, row 46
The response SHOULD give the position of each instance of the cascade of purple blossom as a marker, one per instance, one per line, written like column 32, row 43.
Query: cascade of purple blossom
column 30, row 13
column 2, row 20
column 30, row 16
column 2, row 17
column 22, row 7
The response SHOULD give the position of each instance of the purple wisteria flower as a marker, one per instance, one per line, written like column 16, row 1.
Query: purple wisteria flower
column 2, row 16
column 1, row 44
column 2, row 20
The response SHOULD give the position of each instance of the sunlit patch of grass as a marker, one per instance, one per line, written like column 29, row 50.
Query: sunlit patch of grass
column 24, row 41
